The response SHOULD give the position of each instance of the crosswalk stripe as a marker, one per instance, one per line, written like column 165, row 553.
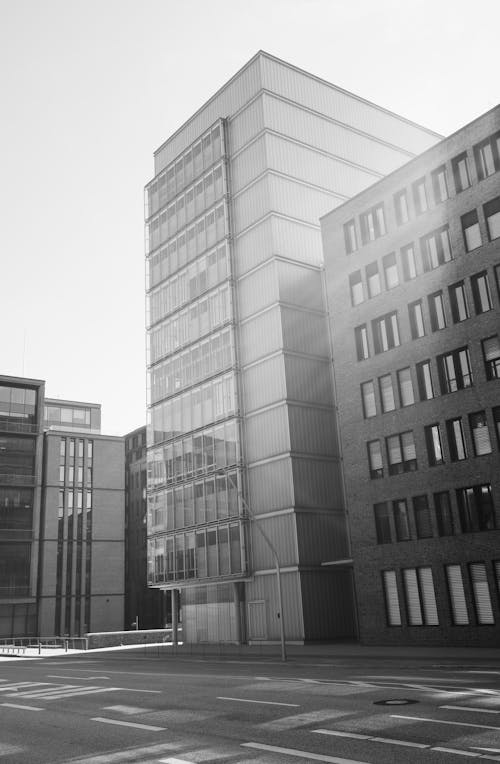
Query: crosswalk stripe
column 16, row 685
column 39, row 692
column 19, row 705
column 300, row 720
column 122, row 723
column 308, row 755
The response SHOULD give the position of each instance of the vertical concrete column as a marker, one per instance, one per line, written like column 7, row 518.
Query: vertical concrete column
column 175, row 614
column 237, row 612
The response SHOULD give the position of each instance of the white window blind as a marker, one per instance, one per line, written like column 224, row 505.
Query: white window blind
column 412, row 597
column 481, row 592
column 428, row 596
column 391, row 598
column 387, row 393
column 457, row 595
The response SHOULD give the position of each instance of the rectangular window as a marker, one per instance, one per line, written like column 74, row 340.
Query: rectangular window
column 444, row 515
column 373, row 280
column 401, row 454
column 496, row 419
column 458, row 302
column 409, row 260
column 461, row 172
column 422, row 514
column 401, row 521
column 433, row 443
column 351, row 243
column 476, row 510
column 405, row 387
column 456, row 591
column 481, row 292
column 387, row 393
column 356, row 287
column 390, row 271
column 416, row 316
column 361, row 338
column 420, row 196
column 393, row 610
column 491, row 355
column 440, row 184
column 480, row 433
column 420, row 597
column 368, row 398
column 492, row 217
column 455, row 371
column 470, row 231
column 382, row 523
column 481, row 593
column 385, row 332
column 456, row 440
column 375, row 460
column 372, row 224
column 401, row 207
column 436, row 248
column 436, row 310
column 487, row 157
column 424, row 380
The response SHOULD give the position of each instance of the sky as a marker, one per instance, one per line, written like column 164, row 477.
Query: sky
column 90, row 88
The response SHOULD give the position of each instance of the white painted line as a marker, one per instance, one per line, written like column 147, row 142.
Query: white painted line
column 456, row 752
column 302, row 754
column 25, row 685
column 175, row 761
column 490, row 750
column 131, row 689
column 38, row 692
column 83, row 678
column 76, row 693
column 18, row 705
column 356, row 736
column 440, row 721
column 470, row 708
column 121, row 723
column 132, row 754
column 300, row 720
column 339, row 733
column 126, row 709
column 265, row 702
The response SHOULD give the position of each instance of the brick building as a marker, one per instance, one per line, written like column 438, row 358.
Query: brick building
column 413, row 282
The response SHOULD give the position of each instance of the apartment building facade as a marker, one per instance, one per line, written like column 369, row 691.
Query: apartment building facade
column 413, row 281
column 243, row 462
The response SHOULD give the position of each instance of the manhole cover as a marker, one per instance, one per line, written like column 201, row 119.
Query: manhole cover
column 395, row 702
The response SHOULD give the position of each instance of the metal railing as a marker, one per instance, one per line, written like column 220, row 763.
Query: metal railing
column 19, row 645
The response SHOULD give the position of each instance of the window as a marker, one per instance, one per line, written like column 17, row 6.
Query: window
column 368, row 398
column 386, row 393
column 405, row 387
column 356, row 286
column 422, row 514
column 496, row 419
column 491, row 355
column 401, row 521
column 415, row 312
column 487, row 157
column 436, row 310
column 440, row 184
column 455, row 371
column 458, row 603
column 401, row 207
column 481, row 292
column 434, row 447
column 456, row 440
column 385, row 332
column 480, row 433
column 420, row 597
column 458, row 302
column 444, row 515
column 420, row 196
column 372, row 224
column 470, row 230
column 390, row 271
column 382, row 523
column 351, row 243
column 375, row 460
column 373, row 280
column 460, row 172
column 436, row 248
column 492, row 216
column 424, row 380
column 361, row 338
column 401, row 453
column 475, row 507
column 391, row 598
column 409, row 260
column 481, row 593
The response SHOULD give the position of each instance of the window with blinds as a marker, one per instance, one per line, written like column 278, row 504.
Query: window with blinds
column 392, row 608
column 368, row 398
column 405, row 384
column 456, row 591
column 480, row 433
column 491, row 355
column 420, row 597
column 375, row 459
column 387, row 393
column 481, row 592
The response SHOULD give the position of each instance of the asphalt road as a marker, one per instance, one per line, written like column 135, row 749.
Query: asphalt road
column 108, row 708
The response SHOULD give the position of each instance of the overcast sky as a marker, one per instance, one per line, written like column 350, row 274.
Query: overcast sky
column 90, row 88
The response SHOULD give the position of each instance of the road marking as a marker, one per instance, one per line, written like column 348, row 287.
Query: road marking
column 300, row 720
column 126, row 709
column 456, row 752
column 265, row 702
column 303, row 754
column 392, row 741
column 24, row 685
column 490, row 750
column 440, row 721
column 175, row 761
column 83, row 678
column 130, row 754
column 75, row 693
column 18, row 705
column 121, row 723
column 470, row 708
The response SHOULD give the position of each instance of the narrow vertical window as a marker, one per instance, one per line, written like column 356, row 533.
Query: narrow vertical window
column 405, row 386
column 422, row 514
column 458, row 302
column 480, row 433
column 382, row 523
column 461, row 172
column 456, row 440
column 420, row 196
column 368, row 398
column 424, row 379
column 401, row 521
column 373, row 280
column 481, row 292
column 409, row 260
column 416, row 316
column 387, row 393
column 413, row 605
column 481, row 593
column 444, row 515
column 361, row 339
column 401, row 207
column 457, row 595
column 440, row 184
column 436, row 310
column 356, row 287
column 390, row 271
column 492, row 217
column 351, row 243
column 375, row 460
column 471, row 231
column 491, row 355
column 434, row 447
column 393, row 610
